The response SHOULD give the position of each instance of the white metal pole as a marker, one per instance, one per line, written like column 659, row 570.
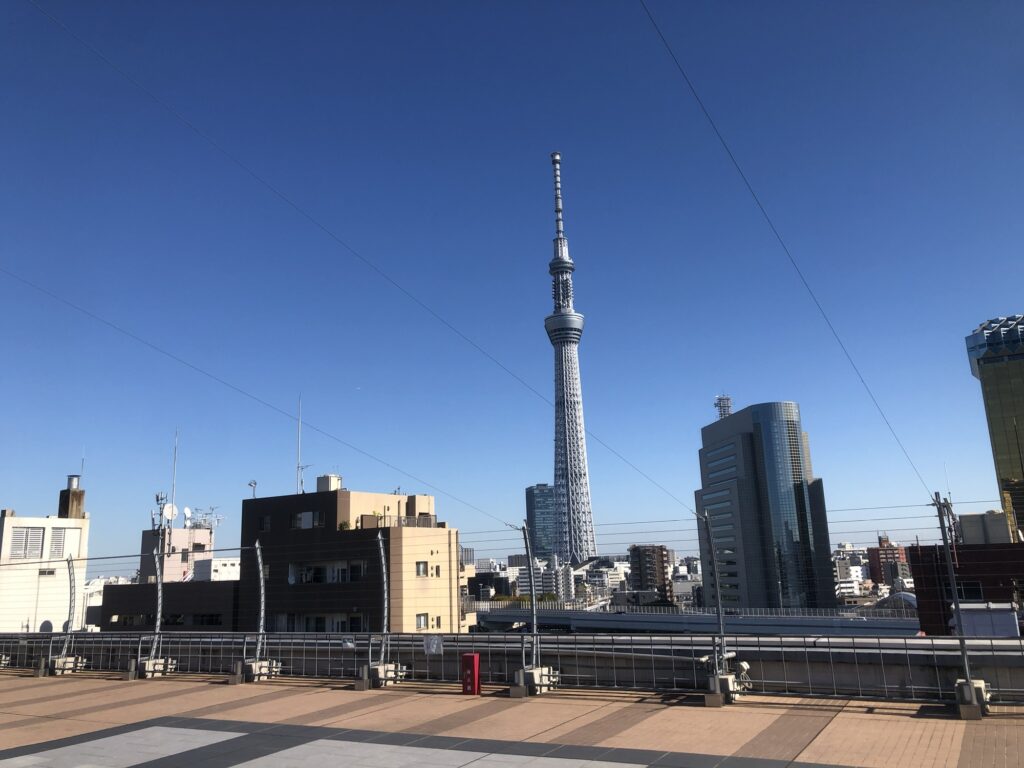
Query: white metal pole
column 263, row 601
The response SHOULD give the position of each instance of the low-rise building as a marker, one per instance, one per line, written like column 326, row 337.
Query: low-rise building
column 325, row 556
column 992, row 527
column 217, row 569
column 985, row 573
column 35, row 580
column 330, row 561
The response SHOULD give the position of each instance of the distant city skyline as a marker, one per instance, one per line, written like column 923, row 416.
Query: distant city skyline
column 430, row 165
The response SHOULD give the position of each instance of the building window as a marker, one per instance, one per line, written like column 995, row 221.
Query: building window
column 421, row 621
column 438, row 624
column 421, row 568
column 47, row 572
column 184, row 555
column 27, row 544
column 357, row 570
column 310, row 519
column 207, row 620
column 264, row 523
column 57, row 543
column 437, row 571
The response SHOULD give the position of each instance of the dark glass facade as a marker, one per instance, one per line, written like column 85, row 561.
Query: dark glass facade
column 996, row 352
column 767, row 511
column 542, row 520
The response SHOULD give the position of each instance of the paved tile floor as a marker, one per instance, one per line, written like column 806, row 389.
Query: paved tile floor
column 96, row 720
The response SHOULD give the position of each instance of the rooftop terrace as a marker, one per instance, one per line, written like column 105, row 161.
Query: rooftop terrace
column 98, row 719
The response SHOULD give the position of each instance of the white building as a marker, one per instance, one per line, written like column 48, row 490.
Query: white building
column 184, row 549
column 89, row 609
column 35, row 582
column 217, row 569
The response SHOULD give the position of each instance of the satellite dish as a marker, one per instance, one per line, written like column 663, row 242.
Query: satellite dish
column 188, row 517
column 170, row 511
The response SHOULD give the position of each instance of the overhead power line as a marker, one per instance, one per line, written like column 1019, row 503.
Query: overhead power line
column 782, row 243
column 373, row 265
column 245, row 393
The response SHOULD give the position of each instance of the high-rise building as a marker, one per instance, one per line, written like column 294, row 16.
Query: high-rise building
column 565, row 328
column 650, row 569
column 543, row 520
column 996, row 352
column 883, row 557
column 767, row 512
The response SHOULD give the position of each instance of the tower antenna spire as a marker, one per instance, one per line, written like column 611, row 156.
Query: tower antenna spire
column 564, row 327
column 556, row 162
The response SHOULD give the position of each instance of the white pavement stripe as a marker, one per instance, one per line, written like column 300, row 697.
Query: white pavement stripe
column 368, row 755
column 122, row 751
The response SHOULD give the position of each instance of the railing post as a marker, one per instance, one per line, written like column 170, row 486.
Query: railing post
column 263, row 602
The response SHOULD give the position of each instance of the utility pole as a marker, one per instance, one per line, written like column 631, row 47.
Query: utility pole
column 945, row 510
column 719, row 659
column 533, row 595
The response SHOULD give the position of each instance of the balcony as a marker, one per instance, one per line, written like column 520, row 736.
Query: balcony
column 398, row 521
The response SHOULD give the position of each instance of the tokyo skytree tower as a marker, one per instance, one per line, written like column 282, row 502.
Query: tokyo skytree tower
column 565, row 327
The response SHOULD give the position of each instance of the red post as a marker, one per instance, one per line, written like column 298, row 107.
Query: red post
column 471, row 674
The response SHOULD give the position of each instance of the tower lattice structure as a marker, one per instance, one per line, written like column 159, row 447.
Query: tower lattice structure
column 565, row 327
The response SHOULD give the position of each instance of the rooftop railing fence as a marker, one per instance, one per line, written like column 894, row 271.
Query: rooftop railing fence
column 481, row 606
column 910, row 669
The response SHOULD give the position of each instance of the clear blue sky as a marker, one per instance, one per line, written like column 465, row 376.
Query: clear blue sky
column 885, row 141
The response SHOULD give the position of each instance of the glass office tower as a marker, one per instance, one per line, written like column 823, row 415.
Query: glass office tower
column 542, row 521
column 767, row 512
column 996, row 352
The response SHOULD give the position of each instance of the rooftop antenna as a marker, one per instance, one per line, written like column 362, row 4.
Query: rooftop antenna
column 723, row 403
column 556, row 161
column 252, row 484
column 174, row 472
column 298, row 451
column 81, row 472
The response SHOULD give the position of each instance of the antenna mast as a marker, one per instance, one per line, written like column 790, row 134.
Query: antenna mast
column 174, row 471
column 298, row 452
column 723, row 404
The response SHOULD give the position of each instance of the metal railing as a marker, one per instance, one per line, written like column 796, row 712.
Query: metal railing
column 481, row 606
column 397, row 521
column 913, row 669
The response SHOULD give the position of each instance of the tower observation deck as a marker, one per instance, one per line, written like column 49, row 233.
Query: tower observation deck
column 565, row 328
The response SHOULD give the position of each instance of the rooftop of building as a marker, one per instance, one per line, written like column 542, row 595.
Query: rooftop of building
column 101, row 721
column 997, row 337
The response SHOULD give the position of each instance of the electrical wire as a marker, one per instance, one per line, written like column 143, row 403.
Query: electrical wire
column 785, row 248
column 373, row 265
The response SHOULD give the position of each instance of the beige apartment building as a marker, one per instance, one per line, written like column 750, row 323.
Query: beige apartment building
column 323, row 568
